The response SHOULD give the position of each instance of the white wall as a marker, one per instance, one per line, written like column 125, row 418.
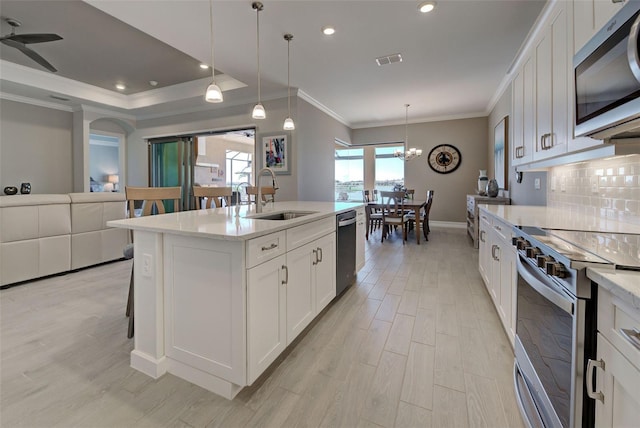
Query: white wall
column 35, row 147
column 315, row 147
column 450, row 190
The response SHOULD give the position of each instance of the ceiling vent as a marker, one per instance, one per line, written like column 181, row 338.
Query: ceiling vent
column 389, row 59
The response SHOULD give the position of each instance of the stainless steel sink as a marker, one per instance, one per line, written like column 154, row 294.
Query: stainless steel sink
column 286, row 215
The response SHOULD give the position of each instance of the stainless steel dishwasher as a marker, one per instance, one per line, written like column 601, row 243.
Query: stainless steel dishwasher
column 345, row 250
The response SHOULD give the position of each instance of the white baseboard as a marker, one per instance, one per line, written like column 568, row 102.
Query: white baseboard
column 448, row 224
column 148, row 365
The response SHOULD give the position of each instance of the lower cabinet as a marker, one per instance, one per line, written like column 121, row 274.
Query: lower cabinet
column 284, row 295
column 619, row 384
column 497, row 265
column 266, row 315
column 617, row 366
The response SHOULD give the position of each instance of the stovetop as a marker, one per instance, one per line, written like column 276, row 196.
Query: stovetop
column 582, row 248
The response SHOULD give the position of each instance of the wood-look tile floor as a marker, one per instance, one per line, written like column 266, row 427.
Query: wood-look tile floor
column 415, row 342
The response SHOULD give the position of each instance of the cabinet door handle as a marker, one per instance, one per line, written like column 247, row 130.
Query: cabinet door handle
column 270, row 247
column 286, row 275
column 482, row 232
column 493, row 252
column 320, row 254
column 519, row 152
column 497, row 258
column 591, row 366
column 315, row 257
column 633, row 336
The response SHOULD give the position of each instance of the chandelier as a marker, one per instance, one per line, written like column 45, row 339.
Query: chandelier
column 411, row 153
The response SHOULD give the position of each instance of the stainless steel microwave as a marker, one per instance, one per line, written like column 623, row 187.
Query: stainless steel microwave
column 607, row 79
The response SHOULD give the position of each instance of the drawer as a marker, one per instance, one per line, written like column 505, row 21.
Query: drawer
column 264, row 248
column 503, row 229
column 300, row 235
column 615, row 318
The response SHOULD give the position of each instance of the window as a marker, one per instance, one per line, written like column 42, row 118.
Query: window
column 389, row 169
column 349, row 174
column 238, row 170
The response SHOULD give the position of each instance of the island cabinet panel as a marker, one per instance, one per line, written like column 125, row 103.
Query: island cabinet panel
column 301, row 264
column 266, row 315
column 204, row 305
column 325, row 272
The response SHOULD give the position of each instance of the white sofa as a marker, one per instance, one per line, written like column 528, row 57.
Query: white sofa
column 42, row 235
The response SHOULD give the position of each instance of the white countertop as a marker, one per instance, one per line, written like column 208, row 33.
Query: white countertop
column 222, row 223
column 556, row 218
column 624, row 284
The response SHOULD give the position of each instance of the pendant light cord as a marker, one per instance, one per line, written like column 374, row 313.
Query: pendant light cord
column 288, row 74
column 406, row 127
column 258, row 8
column 213, row 70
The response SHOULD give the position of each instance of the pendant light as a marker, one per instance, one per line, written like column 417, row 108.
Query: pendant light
column 258, row 109
column 411, row 153
column 214, row 93
column 288, row 122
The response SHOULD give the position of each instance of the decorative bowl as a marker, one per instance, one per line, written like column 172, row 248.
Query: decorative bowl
column 10, row 190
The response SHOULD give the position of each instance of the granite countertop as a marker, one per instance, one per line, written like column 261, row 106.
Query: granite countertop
column 222, row 223
column 622, row 283
column 625, row 284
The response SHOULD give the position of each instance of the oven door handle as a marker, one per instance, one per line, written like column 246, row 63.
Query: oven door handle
column 632, row 49
column 532, row 278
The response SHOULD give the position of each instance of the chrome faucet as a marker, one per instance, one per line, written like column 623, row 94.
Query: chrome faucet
column 275, row 187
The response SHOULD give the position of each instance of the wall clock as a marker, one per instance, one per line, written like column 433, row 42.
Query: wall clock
column 444, row 158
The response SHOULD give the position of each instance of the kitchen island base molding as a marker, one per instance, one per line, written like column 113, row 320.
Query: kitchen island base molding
column 148, row 365
column 204, row 380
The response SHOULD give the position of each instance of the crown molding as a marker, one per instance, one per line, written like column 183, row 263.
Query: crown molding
column 35, row 102
column 379, row 124
column 317, row 104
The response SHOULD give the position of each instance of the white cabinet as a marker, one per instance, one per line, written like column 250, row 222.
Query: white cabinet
column 552, row 83
column 484, row 259
column 589, row 16
column 524, row 114
column 266, row 315
column 311, row 283
column 497, row 264
column 360, row 232
column 617, row 366
column 294, row 280
column 325, row 272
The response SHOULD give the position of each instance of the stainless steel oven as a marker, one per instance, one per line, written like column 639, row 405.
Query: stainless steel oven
column 555, row 331
column 607, row 78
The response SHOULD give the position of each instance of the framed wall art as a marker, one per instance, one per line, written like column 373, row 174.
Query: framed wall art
column 500, row 152
column 275, row 152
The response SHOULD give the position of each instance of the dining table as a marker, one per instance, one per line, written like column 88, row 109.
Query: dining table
column 409, row 205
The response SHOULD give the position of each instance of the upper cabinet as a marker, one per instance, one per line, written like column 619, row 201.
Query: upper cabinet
column 589, row 16
column 543, row 94
column 552, row 83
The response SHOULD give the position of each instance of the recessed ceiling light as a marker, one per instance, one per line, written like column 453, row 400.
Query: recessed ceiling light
column 153, row 82
column 204, row 66
column 328, row 30
column 427, row 6
column 120, row 87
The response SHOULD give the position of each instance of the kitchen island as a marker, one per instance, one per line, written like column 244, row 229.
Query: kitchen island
column 219, row 295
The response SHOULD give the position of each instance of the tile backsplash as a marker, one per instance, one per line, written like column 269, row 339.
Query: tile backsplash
column 607, row 188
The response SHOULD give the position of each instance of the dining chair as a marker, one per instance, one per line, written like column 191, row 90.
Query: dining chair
column 152, row 203
column 268, row 193
column 393, row 214
column 214, row 195
column 424, row 215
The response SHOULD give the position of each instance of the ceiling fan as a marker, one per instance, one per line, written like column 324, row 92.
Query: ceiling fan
column 20, row 42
